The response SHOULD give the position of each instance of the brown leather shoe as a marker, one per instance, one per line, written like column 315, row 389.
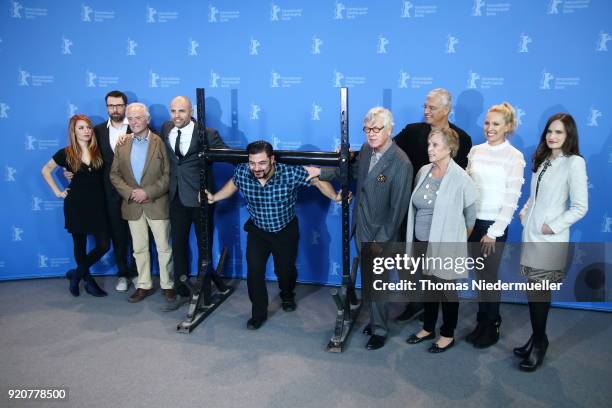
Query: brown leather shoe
column 140, row 294
column 169, row 294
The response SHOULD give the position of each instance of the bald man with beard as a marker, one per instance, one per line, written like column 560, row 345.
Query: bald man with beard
column 180, row 135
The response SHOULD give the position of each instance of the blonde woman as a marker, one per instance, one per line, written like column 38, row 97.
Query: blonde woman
column 497, row 170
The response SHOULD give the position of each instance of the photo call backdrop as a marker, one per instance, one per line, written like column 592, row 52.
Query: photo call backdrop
column 273, row 70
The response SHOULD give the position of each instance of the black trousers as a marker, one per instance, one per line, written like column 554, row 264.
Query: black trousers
column 488, row 305
column 283, row 245
column 85, row 260
column 450, row 310
column 181, row 220
column 121, row 238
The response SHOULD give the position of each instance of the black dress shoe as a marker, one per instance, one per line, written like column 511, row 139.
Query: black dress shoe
column 367, row 329
column 414, row 339
column 536, row 357
column 437, row 349
column 289, row 305
column 411, row 310
column 255, row 323
column 375, row 342
column 489, row 335
column 525, row 349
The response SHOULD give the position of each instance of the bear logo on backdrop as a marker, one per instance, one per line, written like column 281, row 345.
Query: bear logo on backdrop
column 4, row 108
column 131, row 47
column 66, row 44
column 450, row 44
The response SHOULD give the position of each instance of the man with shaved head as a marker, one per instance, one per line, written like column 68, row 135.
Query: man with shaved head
column 180, row 135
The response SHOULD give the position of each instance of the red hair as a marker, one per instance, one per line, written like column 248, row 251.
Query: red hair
column 73, row 150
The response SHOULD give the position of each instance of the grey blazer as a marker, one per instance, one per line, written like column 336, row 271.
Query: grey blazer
column 185, row 173
column 382, row 196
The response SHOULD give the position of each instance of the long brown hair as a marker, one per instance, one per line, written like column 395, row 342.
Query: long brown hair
column 73, row 150
column 570, row 146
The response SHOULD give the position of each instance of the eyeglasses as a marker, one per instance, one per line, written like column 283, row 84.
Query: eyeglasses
column 119, row 106
column 136, row 118
column 367, row 129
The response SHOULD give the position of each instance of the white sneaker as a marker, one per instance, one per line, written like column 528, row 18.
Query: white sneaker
column 122, row 285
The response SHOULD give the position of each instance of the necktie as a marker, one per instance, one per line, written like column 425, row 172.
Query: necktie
column 177, row 145
column 373, row 161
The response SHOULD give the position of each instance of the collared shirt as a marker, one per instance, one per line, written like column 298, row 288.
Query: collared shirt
column 186, row 135
column 114, row 133
column 138, row 155
column 271, row 206
column 376, row 155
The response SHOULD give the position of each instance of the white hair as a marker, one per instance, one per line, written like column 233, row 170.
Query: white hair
column 139, row 105
column 444, row 95
column 380, row 112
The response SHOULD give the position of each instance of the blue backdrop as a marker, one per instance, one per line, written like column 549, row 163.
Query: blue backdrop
column 272, row 71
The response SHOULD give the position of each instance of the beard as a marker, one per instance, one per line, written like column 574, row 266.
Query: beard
column 117, row 117
column 261, row 174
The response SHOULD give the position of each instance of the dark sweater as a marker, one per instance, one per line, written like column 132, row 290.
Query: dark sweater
column 413, row 141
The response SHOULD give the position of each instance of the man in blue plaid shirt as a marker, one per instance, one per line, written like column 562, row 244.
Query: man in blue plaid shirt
column 270, row 190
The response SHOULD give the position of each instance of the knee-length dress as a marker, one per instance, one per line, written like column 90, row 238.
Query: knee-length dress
column 85, row 205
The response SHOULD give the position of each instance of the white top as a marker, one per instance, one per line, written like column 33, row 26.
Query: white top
column 497, row 172
column 186, row 135
column 114, row 133
column 563, row 199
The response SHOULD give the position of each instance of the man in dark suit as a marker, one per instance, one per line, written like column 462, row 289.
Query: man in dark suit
column 413, row 141
column 181, row 139
column 383, row 172
column 107, row 133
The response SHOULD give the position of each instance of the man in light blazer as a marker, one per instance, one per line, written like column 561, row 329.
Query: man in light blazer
column 140, row 173
column 107, row 133
column 180, row 136
column 384, row 181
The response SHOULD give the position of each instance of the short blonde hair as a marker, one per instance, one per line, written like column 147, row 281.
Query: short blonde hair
column 507, row 111
column 450, row 137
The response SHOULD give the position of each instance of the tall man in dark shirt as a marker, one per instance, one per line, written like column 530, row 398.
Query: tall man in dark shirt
column 413, row 141
column 270, row 190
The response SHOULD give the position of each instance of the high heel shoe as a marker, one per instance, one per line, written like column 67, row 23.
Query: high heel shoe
column 91, row 287
column 524, row 350
column 536, row 357
column 74, row 278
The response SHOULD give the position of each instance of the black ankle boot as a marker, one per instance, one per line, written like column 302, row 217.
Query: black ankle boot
column 475, row 333
column 74, row 278
column 525, row 349
column 535, row 358
column 91, row 287
column 489, row 334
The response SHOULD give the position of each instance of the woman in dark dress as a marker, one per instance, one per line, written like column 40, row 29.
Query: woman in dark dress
column 84, row 211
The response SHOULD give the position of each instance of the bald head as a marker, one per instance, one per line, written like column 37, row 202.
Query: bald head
column 181, row 111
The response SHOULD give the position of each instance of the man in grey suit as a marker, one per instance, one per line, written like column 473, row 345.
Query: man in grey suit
column 384, row 181
column 181, row 138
